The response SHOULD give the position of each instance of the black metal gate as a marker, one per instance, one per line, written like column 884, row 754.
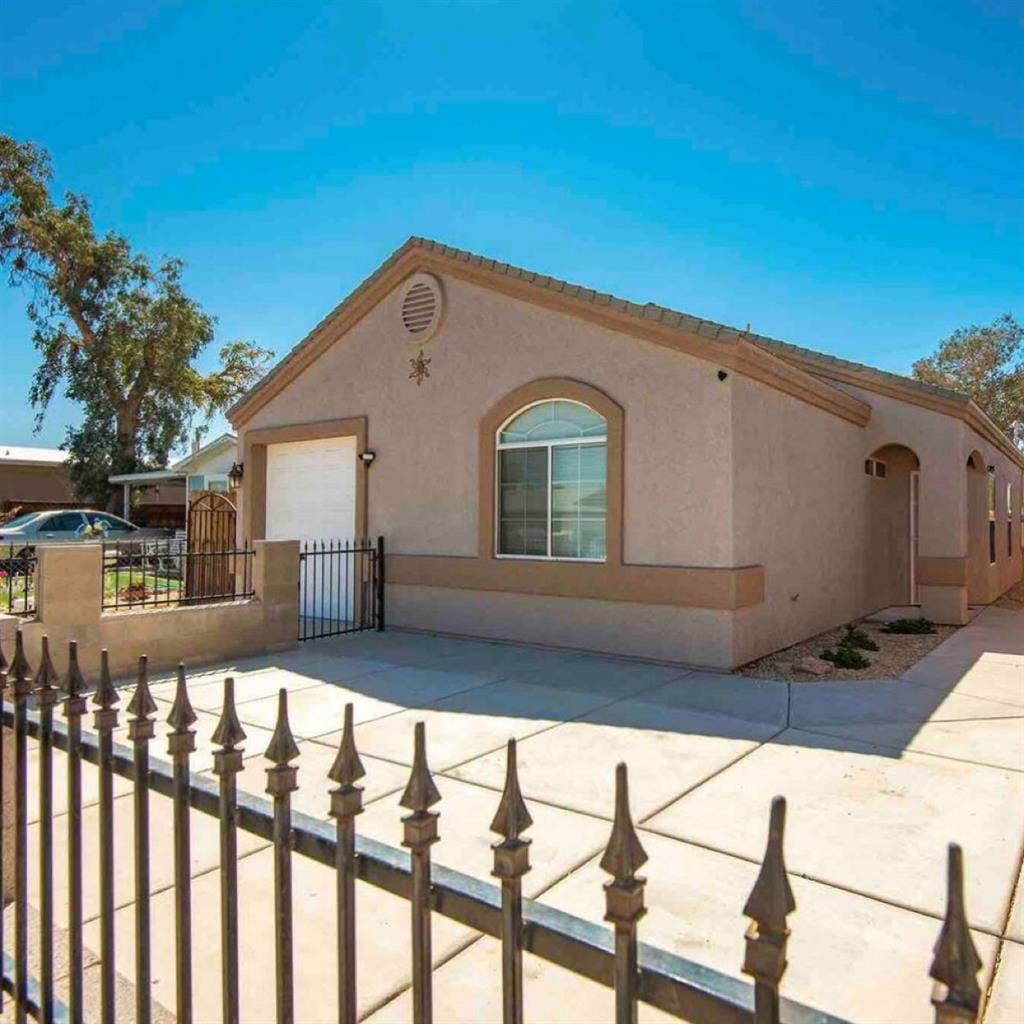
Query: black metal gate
column 341, row 587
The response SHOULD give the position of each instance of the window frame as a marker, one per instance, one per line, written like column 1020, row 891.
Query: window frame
column 500, row 446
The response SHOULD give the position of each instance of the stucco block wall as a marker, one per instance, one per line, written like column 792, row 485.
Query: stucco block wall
column 423, row 488
column 69, row 608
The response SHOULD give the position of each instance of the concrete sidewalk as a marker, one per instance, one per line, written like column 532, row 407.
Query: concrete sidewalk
column 879, row 776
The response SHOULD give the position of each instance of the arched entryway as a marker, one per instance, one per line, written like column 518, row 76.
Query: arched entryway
column 894, row 515
column 977, row 528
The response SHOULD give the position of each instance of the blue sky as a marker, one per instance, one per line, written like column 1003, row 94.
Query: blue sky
column 848, row 177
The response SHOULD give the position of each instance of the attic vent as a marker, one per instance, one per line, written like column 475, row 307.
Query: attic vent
column 421, row 307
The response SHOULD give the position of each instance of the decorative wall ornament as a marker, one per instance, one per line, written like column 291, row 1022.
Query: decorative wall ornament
column 420, row 368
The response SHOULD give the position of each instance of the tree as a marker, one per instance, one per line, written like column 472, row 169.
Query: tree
column 986, row 363
column 118, row 334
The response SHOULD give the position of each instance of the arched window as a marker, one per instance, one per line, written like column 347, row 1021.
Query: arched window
column 551, row 480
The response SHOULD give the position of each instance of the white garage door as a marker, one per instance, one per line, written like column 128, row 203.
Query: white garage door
column 311, row 497
column 311, row 490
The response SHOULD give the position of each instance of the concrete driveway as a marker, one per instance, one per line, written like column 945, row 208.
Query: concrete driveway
column 879, row 775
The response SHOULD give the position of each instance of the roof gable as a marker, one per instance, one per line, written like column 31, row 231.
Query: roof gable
column 704, row 339
column 214, row 447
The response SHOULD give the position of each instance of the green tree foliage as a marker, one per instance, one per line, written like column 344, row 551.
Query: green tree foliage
column 986, row 363
column 119, row 335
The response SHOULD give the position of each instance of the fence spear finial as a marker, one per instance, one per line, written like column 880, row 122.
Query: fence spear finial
column 768, row 905
column 182, row 715
column 956, row 994
column 229, row 732
column 624, row 854
column 106, row 695
column 512, row 817
column 420, row 792
column 20, row 672
column 74, row 681
column 282, row 747
column 347, row 768
column 46, row 675
column 142, row 704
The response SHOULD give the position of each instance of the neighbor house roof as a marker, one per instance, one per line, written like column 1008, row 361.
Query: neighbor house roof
column 16, row 455
column 804, row 373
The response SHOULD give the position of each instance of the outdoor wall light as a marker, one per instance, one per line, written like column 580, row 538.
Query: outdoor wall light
column 367, row 457
column 236, row 473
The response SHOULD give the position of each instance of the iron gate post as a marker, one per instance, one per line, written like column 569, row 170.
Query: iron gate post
column 380, row 584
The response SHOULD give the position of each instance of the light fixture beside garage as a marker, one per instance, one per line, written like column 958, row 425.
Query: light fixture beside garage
column 422, row 308
column 367, row 457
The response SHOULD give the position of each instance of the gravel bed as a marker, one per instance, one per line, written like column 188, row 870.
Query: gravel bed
column 898, row 652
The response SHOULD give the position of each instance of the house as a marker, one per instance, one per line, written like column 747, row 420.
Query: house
column 552, row 464
column 32, row 479
column 206, row 468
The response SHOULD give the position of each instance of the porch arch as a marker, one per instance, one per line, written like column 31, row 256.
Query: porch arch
column 977, row 528
column 893, row 508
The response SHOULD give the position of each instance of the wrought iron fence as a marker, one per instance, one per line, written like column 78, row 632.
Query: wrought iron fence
column 341, row 587
column 614, row 957
column 162, row 573
column 18, row 579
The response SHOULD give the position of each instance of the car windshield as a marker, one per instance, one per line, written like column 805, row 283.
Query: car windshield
column 19, row 521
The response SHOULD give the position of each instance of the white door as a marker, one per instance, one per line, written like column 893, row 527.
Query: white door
column 311, row 497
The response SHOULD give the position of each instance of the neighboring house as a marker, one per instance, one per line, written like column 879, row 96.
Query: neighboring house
column 33, row 479
column 205, row 469
column 558, row 465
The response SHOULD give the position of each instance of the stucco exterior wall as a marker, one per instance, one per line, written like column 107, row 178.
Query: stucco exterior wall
column 423, row 488
column 423, row 491
column 698, row 636
column 215, row 463
column 801, row 509
column 717, row 474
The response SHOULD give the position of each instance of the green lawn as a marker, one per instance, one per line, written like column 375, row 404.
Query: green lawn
column 16, row 593
column 157, row 586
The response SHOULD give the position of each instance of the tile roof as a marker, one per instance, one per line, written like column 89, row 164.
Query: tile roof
column 675, row 318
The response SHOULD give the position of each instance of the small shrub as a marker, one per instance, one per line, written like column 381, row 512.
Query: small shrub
column 909, row 626
column 135, row 593
column 858, row 638
column 846, row 657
